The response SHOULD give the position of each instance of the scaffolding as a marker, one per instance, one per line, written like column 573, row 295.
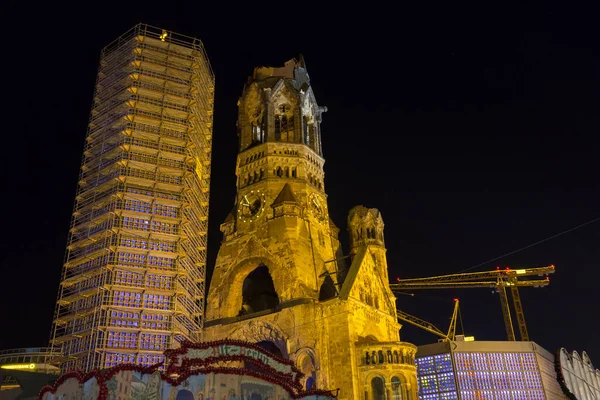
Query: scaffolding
column 133, row 284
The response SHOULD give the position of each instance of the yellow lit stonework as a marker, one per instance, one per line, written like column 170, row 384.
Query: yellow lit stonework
column 281, row 279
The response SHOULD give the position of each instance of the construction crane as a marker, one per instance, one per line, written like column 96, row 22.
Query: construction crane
column 498, row 280
column 429, row 327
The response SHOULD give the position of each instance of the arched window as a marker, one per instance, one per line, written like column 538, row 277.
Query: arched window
column 367, row 358
column 284, row 124
column 277, row 127
column 380, row 356
column 373, row 358
column 258, row 292
column 279, row 172
column 327, row 290
column 306, row 364
column 257, row 133
column 389, row 357
column 287, row 172
column 396, row 388
column 396, row 359
column 262, row 174
column 378, row 388
column 294, row 174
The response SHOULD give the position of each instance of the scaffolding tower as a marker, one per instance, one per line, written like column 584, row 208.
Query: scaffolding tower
column 133, row 283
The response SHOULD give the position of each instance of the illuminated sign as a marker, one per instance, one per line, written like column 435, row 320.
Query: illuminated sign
column 18, row 366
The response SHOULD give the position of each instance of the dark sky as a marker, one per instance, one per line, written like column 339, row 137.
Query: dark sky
column 472, row 128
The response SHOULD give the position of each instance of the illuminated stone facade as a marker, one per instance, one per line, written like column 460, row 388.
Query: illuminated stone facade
column 280, row 278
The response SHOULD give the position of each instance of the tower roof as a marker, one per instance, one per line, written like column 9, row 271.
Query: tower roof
column 293, row 69
column 286, row 195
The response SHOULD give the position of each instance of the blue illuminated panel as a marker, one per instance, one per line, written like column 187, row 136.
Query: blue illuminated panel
column 436, row 378
column 498, row 376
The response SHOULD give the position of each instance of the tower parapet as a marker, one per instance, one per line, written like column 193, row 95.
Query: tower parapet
column 278, row 105
column 365, row 227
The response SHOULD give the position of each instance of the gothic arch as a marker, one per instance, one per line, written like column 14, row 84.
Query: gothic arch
column 398, row 387
column 237, row 274
column 260, row 331
column 284, row 93
column 375, row 385
column 327, row 290
column 371, row 338
column 258, row 291
column 305, row 360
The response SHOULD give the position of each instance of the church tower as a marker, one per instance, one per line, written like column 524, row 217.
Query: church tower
column 279, row 278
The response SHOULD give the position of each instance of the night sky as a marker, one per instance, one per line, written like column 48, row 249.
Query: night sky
column 472, row 128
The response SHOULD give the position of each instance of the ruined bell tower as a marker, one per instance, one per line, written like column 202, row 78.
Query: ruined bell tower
column 278, row 279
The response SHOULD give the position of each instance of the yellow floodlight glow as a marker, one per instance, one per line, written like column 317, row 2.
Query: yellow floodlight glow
column 520, row 271
column 163, row 36
column 469, row 338
column 18, row 366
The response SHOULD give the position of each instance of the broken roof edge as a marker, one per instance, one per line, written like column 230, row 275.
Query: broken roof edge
column 286, row 71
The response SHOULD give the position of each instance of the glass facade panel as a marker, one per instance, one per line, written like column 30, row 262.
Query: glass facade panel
column 425, row 366
column 443, row 363
column 436, row 377
column 489, row 395
column 498, row 376
column 536, row 395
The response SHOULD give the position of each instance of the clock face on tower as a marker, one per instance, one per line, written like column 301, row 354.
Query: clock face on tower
column 251, row 205
column 317, row 205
